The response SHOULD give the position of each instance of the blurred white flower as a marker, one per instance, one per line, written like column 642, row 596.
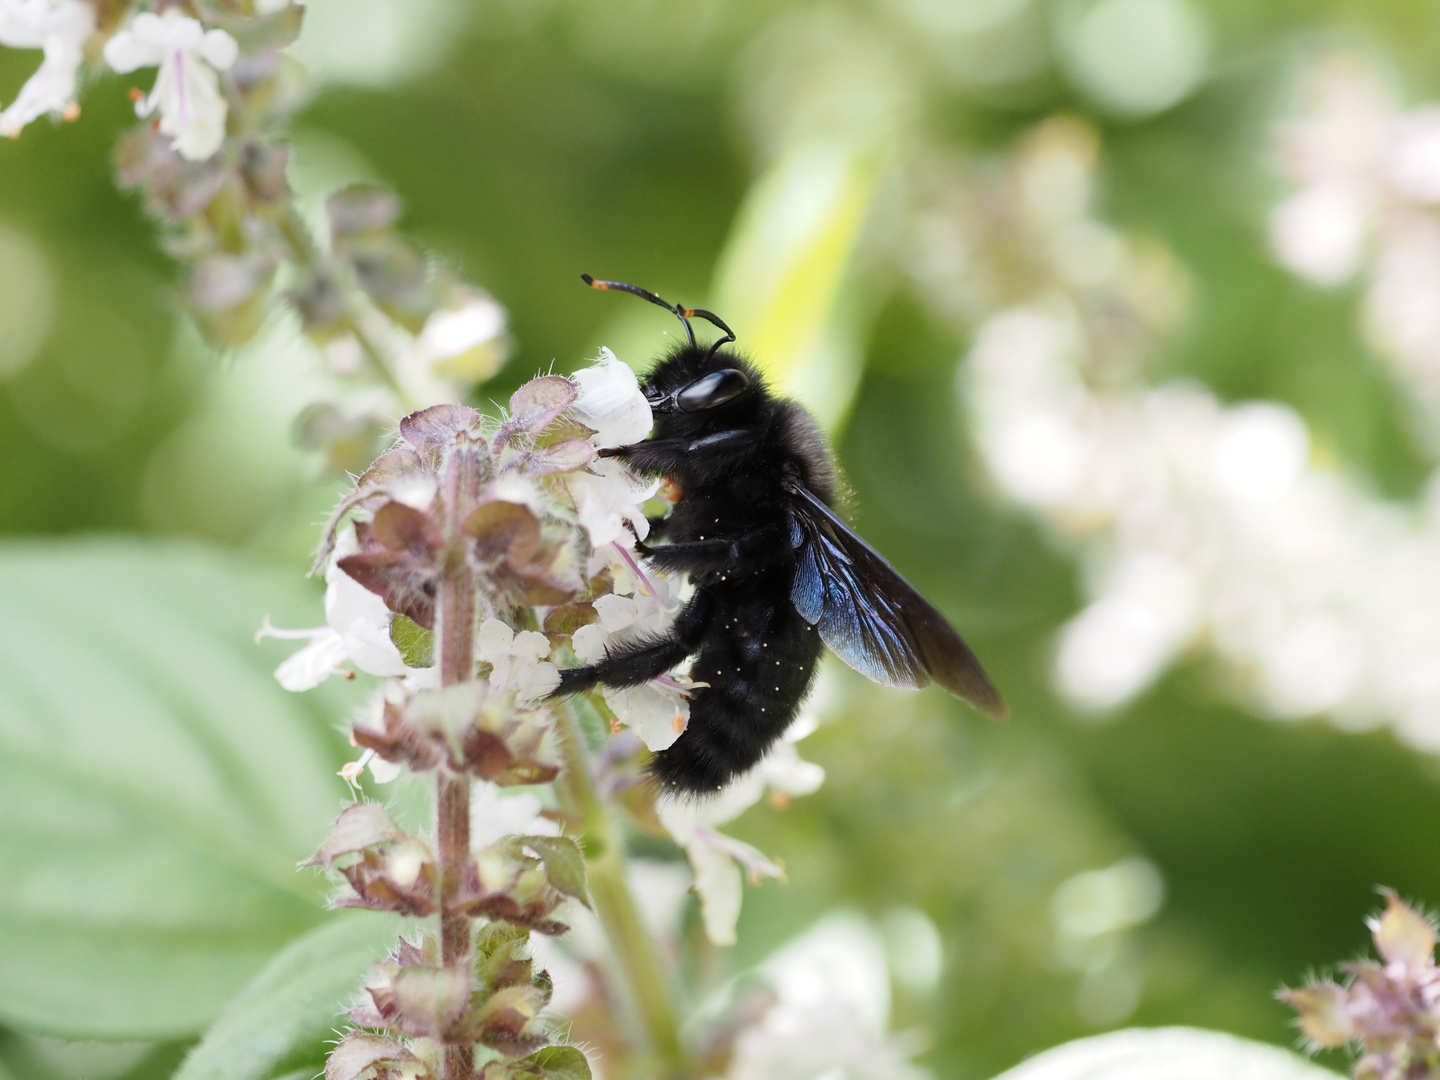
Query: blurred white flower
column 494, row 814
column 717, row 859
column 832, row 1002
column 460, row 345
column 518, row 661
column 357, row 631
column 187, row 89
column 60, row 28
column 1206, row 523
column 1367, row 184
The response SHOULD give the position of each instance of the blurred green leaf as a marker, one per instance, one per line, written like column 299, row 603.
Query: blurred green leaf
column 781, row 278
column 295, row 1003
column 1166, row 1054
column 159, row 786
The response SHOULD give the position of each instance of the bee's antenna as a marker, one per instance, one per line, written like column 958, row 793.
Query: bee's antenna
column 683, row 314
column 644, row 294
column 714, row 320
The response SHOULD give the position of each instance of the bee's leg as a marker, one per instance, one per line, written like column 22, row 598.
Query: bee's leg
column 639, row 661
column 668, row 455
column 752, row 549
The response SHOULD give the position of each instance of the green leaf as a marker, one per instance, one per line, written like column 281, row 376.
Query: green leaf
column 549, row 1063
column 564, row 864
column 784, row 275
column 297, row 1001
column 416, row 644
column 159, row 785
column 1175, row 1053
column 562, row 1063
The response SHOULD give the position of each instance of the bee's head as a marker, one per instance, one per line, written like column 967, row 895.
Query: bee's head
column 693, row 386
column 695, row 380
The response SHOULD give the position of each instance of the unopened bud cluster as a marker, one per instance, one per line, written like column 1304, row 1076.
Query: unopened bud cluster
column 1390, row 1011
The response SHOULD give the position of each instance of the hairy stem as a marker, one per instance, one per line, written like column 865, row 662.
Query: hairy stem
column 648, row 984
column 456, row 624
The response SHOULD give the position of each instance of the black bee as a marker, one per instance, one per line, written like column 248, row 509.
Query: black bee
column 777, row 573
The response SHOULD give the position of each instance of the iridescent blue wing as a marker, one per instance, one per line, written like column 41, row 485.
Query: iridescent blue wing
column 871, row 617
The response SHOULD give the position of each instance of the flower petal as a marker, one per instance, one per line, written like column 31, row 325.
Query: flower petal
column 125, row 52
column 658, row 715
column 531, row 646
column 611, row 402
column 313, row 664
column 589, row 642
column 718, row 881
column 494, row 640
column 219, row 48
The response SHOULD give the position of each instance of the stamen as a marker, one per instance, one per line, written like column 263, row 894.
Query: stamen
column 269, row 630
column 647, row 587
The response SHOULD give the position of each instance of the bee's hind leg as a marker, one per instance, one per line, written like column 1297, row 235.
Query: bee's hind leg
column 639, row 661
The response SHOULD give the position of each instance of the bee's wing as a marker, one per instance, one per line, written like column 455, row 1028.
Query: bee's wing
column 871, row 617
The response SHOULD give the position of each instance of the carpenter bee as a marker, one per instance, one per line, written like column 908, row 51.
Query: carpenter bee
column 776, row 571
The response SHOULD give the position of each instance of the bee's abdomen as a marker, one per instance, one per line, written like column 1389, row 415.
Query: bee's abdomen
column 759, row 661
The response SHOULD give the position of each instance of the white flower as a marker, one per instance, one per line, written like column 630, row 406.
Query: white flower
column 187, row 90
column 60, row 28
column 717, row 859
column 611, row 402
column 357, row 631
column 609, row 498
column 517, row 660
column 832, row 989
column 610, row 502
column 459, row 346
column 659, row 710
column 494, row 815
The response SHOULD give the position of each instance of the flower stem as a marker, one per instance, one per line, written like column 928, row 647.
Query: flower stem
column 630, row 941
column 456, row 617
column 306, row 255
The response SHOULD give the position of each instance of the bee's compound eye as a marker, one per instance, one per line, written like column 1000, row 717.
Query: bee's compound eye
column 714, row 389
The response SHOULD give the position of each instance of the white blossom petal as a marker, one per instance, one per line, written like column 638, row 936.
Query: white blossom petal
column 187, row 89
column 61, row 30
column 219, row 49
column 530, row 646
column 494, row 640
column 384, row 771
column 718, row 881
column 616, row 612
column 589, row 643
column 312, row 665
column 611, row 402
column 453, row 332
column 657, row 713
column 784, row 770
column 537, row 681
column 610, row 500
column 494, row 815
